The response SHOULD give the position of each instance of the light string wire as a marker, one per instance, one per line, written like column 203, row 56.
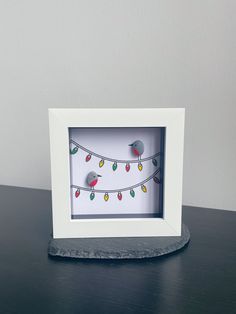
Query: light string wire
column 114, row 160
column 117, row 190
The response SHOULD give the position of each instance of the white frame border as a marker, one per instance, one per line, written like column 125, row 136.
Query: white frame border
column 65, row 227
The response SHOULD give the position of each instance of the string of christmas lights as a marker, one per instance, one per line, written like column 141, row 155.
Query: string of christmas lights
column 118, row 191
column 115, row 162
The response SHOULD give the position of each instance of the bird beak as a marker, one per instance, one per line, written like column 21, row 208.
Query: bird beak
column 130, row 145
column 99, row 175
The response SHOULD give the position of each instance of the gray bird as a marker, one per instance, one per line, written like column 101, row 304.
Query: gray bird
column 92, row 178
column 137, row 148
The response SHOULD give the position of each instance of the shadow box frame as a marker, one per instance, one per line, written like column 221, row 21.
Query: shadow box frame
column 60, row 120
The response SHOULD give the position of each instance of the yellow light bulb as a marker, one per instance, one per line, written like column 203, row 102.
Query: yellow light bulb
column 106, row 197
column 140, row 167
column 101, row 163
column 144, row 189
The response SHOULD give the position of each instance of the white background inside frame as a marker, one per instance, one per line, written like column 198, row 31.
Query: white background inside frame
column 113, row 143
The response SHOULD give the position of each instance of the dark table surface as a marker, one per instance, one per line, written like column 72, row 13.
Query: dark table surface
column 199, row 279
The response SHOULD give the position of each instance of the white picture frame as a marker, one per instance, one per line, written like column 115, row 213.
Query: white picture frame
column 60, row 120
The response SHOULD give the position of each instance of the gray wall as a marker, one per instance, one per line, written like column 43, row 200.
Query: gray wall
column 121, row 53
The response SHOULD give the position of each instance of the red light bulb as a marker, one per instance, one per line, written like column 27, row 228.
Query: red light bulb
column 119, row 196
column 127, row 167
column 77, row 193
column 88, row 157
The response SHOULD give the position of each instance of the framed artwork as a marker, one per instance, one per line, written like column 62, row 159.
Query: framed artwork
column 116, row 172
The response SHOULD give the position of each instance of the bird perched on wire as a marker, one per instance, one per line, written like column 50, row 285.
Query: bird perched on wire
column 92, row 178
column 137, row 148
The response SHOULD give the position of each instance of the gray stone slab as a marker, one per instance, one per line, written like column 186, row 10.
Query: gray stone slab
column 118, row 248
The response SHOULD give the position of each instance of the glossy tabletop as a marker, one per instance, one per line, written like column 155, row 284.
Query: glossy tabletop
column 199, row 279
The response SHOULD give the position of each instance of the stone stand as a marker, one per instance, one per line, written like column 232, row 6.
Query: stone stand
column 118, row 248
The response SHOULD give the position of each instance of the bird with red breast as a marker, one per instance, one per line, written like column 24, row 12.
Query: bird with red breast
column 137, row 148
column 92, row 179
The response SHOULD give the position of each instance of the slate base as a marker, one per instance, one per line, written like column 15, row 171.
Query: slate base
column 118, row 248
